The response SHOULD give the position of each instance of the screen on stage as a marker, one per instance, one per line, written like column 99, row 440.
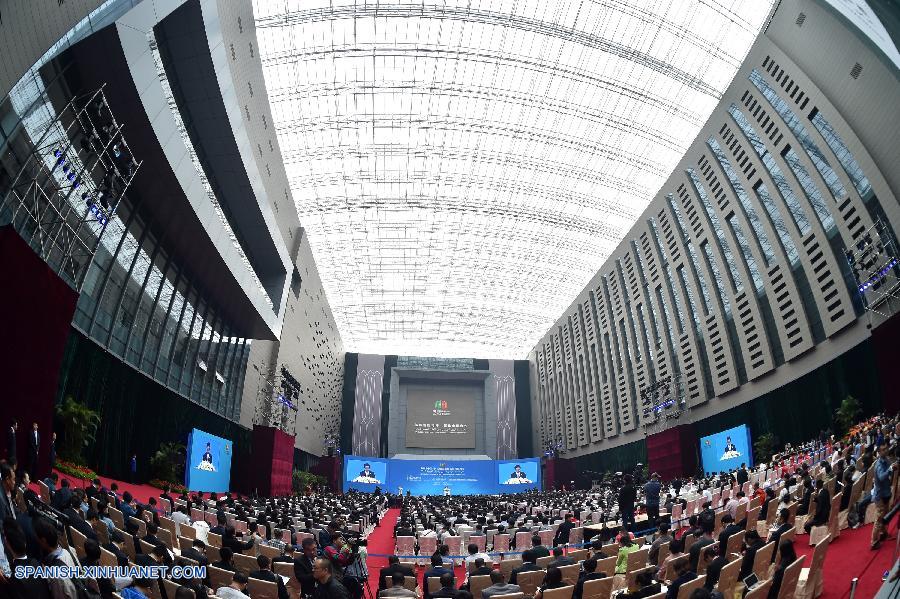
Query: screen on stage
column 208, row 465
column 364, row 474
column 440, row 477
column 440, row 418
column 726, row 450
column 516, row 476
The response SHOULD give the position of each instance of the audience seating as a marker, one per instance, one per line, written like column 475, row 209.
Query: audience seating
column 262, row 589
column 810, row 584
column 560, row 593
column 728, row 578
column 244, row 563
column 478, row 584
column 685, row 590
column 530, row 581
column 762, row 560
column 218, row 577
column 597, row 589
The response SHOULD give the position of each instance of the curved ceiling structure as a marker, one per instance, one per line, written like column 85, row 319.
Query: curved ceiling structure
column 463, row 168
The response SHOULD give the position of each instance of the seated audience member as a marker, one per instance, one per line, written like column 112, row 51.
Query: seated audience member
column 141, row 588
column 230, row 541
column 707, row 525
column 393, row 566
column 16, row 549
column 714, row 562
column 197, row 552
column 538, row 549
column 683, row 574
column 181, row 518
column 437, row 570
column 823, row 507
column 226, row 560
column 729, row 527
column 752, row 543
column 782, row 526
column 787, row 557
column 676, row 550
column 236, row 589
column 304, row 563
column 264, row 572
column 628, row 546
column 553, row 579
column 528, row 565
column 447, row 590
column 54, row 555
column 221, row 522
column 498, row 586
column 645, row 586
column 62, row 498
column 588, row 572
column 597, row 550
column 662, row 538
column 397, row 588
column 559, row 559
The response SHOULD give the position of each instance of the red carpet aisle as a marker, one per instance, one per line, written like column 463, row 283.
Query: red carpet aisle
column 848, row 557
column 381, row 541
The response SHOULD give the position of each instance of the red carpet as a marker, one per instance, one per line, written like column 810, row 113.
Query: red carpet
column 848, row 557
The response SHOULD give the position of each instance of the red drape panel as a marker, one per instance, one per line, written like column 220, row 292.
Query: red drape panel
column 330, row 467
column 36, row 309
column 272, row 460
column 670, row 452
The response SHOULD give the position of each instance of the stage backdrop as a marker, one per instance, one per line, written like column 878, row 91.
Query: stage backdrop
column 433, row 476
column 440, row 418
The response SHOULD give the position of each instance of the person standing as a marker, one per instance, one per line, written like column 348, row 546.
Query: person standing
column 34, row 450
column 133, row 468
column 881, row 492
column 52, row 451
column 627, row 498
column 651, row 493
column 11, row 442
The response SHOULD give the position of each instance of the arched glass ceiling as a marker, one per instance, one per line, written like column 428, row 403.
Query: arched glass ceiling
column 463, row 167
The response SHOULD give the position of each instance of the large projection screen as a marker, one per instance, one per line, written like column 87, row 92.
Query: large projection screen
column 440, row 418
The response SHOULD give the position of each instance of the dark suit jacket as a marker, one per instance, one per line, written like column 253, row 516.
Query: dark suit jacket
column 562, row 533
column 727, row 532
column 713, row 571
column 121, row 556
column 582, row 578
column 749, row 556
column 672, row 593
column 303, row 573
column 647, row 591
column 195, row 555
column 446, row 593
column 562, row 560
column 223, row 566
column 331, row 590
column 823, row 507
column 270, row 576
column 34, row 444
column 33, row 588
column 775, row 536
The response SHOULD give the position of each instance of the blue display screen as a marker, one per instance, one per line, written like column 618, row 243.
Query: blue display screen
column 521, row 475
column 364, row 474
column 726, row 450
column 439, row 477
column 208, row 465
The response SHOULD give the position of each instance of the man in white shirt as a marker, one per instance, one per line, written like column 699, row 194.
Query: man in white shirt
column 181, row 517
column 48, row 541
column 236, row 589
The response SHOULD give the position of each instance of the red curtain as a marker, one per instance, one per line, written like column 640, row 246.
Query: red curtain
column 671, row 452
column 273, row 461
column 36, row 309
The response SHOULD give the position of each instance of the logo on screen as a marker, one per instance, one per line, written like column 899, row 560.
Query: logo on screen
column 441, row 408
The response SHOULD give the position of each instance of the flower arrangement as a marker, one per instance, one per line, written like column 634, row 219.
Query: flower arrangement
column 75, row 471
column 173, row 487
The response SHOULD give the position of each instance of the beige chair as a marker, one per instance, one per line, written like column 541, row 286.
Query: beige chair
column 213, row 539
column 542, row 562
column 188, row 531
column 790, row 579
column 579, row 554
column 728, row 578
column 185, row 543
column 789, row 535
column 101, row 530
column 140, row 525
column 269, row 551
column 117, row 517
column 218, row 577
column 663, row 553
column 811, row 582
column 636, row 560
column 262, row 589
column 762, row 560
column 476, row 584
column 44, row 492
column 607, row 565
column 244, row 563
column 685, row 590
column 508, row 565
column 597, row 589
column 752, row 517
column 761, row 591
column 146, row 548
column 129, row 544
column 530, row 581
column 78, row 540
column 570, row 573
column 735, row 542
column 510, row 596
column 434, row 584
column 108, row 559
column 560, row 593
column 171, row 588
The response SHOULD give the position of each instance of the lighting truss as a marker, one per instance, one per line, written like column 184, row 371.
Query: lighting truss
column 875, row 265
column 463, row 168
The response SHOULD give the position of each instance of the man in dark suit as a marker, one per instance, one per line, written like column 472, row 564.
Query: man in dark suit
column 784, row 525
column 265, row 573
column 7, row 492
column 729, row 529
column 63, row 497
column 562, row 533
column 589, row 572
column 225, row 562
column 16, row 552
column 517, row 473
column 559, row 559
column 197, row 552
column 327, row 586
column 752, row 544
column 436, row 571
column 683, row 574
column 76, row 520
column 11, row 441
column 303, row 567
column 447, row 591
column 528, row 565
column 393, row 566
column 116, row 546
column 703, row 541
column 714, row 560
column 151, row 537
column 34, row 448
column 823, row 507
column 742, row 474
